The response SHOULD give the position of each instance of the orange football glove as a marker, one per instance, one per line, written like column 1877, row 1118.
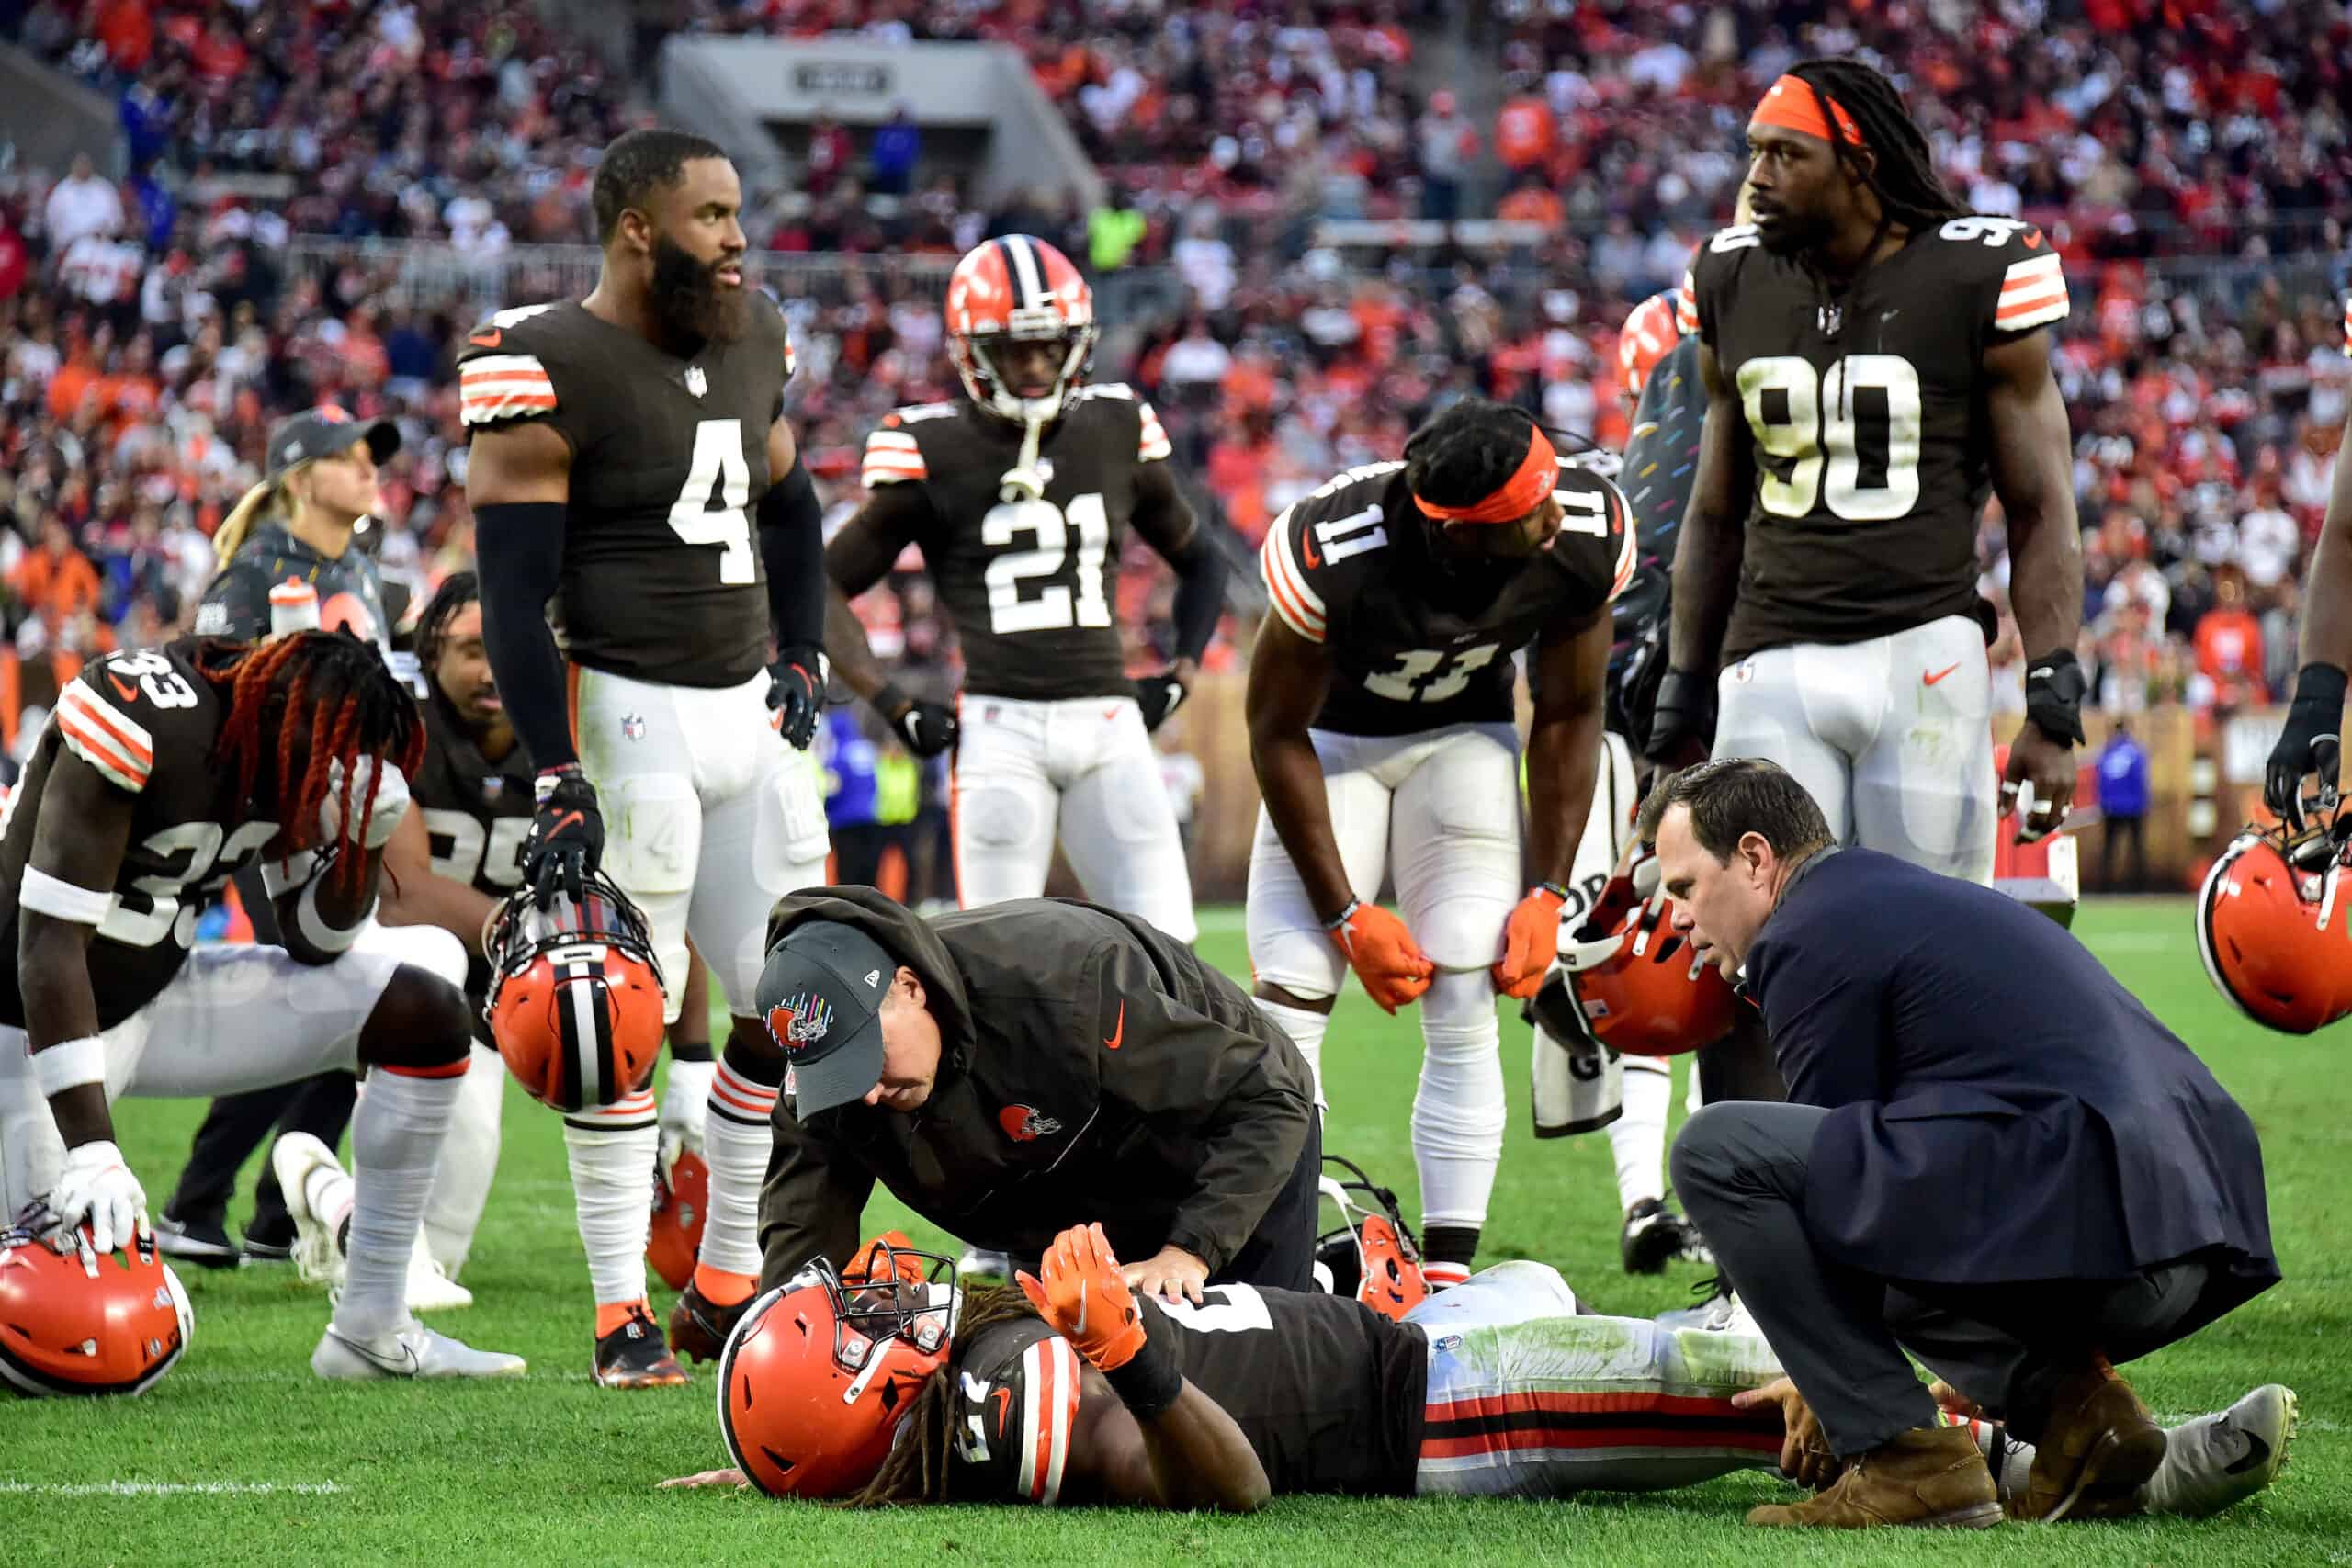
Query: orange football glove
column 870, row 1258
column 1085, row 1298
column 1530, row 941
column 1393, row 969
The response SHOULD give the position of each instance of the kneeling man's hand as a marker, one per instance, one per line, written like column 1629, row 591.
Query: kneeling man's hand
column 1805, row 1452
column 1169, row 1273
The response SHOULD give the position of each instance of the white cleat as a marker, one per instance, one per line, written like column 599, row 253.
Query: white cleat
column 2220, row 1459
column 430, row 1289
column 411, row 1350
column 301, row 1161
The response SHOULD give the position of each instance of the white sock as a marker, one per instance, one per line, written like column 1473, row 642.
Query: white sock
column 1637, row 1138
column 1458, row 1111
column 396, row 1136
column 736, row 1138
column 611, row 1190
column 468, row 1162
column 1304, row 1026
column 684, row 1094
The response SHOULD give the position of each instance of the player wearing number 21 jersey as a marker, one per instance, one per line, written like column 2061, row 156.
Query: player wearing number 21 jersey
column 1021, row 498
column 631, row 473
column 1876, row 359
column 1380, row 710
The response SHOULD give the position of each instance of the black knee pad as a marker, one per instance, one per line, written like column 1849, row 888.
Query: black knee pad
column 420, row 1022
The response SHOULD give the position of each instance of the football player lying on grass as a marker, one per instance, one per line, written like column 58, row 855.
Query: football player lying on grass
column 892, row 1384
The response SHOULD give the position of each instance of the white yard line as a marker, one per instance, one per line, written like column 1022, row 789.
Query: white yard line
column 169, row 1488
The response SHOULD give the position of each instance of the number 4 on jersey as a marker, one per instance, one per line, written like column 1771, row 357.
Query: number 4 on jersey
column 710, row 508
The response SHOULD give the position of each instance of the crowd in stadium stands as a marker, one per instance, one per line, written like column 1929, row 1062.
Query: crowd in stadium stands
column 149, row 339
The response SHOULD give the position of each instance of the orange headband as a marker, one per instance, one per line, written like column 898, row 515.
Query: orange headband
column 1791, row 104
column 1520, row 494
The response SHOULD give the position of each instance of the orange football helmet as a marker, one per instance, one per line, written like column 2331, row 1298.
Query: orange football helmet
column 1647, row 336
column 1018, row 290
column 681, row 1204
column 86, row 1322
column 575, row 995
column 815, row 1378
column 2274, row 931
column 1628, row 981
column 1372, row 1256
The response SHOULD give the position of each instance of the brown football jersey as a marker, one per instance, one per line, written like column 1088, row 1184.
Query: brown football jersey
column 661, row 578
column 1032, row 584
column 1867, row 410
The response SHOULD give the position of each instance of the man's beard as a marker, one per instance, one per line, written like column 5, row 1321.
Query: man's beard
column 688, row 302
column 1791, row 235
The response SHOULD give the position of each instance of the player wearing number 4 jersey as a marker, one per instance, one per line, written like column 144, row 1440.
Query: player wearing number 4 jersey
column 1875, row 358
column 623, row 445
column 1021, row 498
column 159, row 775
column 1380, row 711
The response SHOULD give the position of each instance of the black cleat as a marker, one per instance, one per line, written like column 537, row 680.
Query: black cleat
column 1655, row 1236
column 699, row 1327
column 204, row 1242
column 635, row 1355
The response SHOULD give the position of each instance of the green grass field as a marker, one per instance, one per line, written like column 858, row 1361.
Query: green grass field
column 240, row 1456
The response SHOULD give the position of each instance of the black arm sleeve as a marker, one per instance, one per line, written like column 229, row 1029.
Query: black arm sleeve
column 519, row 547
column 893, row 517
column 792, row 547
column 1199, row 594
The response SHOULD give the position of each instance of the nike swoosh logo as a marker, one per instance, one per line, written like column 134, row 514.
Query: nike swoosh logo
column 1003, row 1397
column 568, row 819
column 128, row 692
column 406, row 1366
column 1931, row 680
column 2033, row 239
column 2257, row 1453
column 1306, row 547
column 1118, row 1031
column 490, row 339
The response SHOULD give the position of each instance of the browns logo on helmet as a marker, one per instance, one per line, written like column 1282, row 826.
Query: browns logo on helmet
column 575, row 995
column 815, row 1378
column 84, row 1323
column 1018, row 290
column 1628, row 981
column 2273, row 928
column 1648, row 336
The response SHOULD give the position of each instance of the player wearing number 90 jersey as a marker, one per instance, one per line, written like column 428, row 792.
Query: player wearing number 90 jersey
column 1021, row 497
column 624, row 447
column 1876, row 359
column 1380, row 711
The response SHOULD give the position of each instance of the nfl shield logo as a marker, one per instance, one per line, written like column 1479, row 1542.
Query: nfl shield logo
column 633, row 726
column 493, row 787
column 696, row 382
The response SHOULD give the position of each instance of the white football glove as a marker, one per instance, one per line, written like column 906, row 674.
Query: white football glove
column 97, row 1187
column 684, row 1104
column 392, row 804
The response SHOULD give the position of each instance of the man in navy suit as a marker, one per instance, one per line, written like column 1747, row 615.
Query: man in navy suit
column 1992, row 1155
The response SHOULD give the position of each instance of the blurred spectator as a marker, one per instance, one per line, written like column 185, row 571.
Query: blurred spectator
column 2229, row 644
column 2122, row 806
column 829, row 154
column 82, row 203
column 57, row 583
column 897, row 147
column 1447, row 142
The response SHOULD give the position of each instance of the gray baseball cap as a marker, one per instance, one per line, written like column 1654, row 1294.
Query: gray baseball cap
column 822, row 994
column 325, row 432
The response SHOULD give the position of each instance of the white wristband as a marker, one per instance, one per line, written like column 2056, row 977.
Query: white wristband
column 277, row 876
column 61, row 900
column 68, row 1064
column 313, row 927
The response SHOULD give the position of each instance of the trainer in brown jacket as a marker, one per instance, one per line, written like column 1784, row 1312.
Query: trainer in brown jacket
column 1009, row 1071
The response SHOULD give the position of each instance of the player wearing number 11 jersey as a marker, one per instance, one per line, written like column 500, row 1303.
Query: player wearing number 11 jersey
column 1380, row 709
column 624, row 446
column 1021, row 498
column 1875, row 359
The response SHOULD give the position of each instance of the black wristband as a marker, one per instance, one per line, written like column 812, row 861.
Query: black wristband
column 2320, row 686
column 2055, row 687
column 890, row 701
column 1150, row 1380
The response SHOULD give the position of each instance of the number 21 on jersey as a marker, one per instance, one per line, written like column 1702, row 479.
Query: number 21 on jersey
column 1863, row 414
column 1053, row 609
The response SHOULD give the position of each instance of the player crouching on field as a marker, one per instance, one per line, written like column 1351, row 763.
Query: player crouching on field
column 159, row 775
column 900, row 1387
column 1007, row 1069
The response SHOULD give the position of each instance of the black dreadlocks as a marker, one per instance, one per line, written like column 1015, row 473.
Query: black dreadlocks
column 917, row 1469
column 1901, row 170
column 457, row 590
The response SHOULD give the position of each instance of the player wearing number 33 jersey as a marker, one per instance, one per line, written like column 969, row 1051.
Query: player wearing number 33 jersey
column 1876, row 359
column 1380, row 712
column 633, row 479
column 1021, row 498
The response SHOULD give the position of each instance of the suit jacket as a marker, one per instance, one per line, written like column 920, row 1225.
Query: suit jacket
column 2000, row 1107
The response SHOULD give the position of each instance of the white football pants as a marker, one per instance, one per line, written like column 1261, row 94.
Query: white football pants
column 1083, row 769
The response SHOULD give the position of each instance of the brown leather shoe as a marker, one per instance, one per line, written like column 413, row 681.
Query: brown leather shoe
column 2097, row 1446
column 1926, row 1476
